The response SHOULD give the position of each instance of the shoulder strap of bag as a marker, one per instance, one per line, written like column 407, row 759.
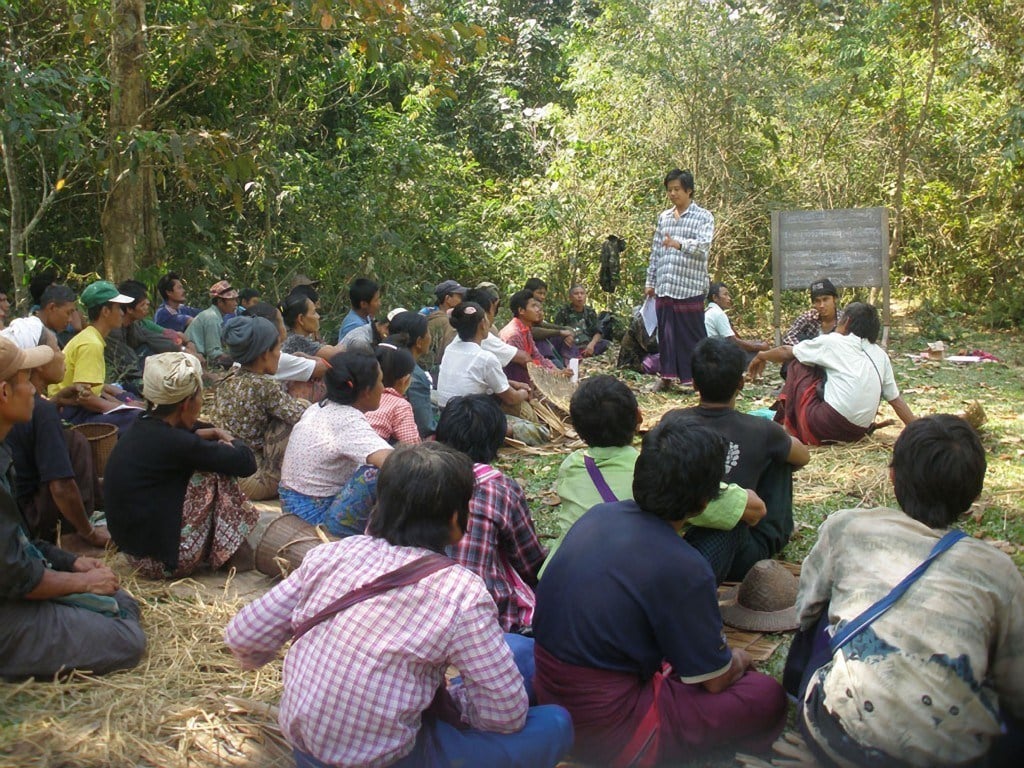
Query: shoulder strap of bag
column 848, row 632
column 598, row 480
column 410, row 573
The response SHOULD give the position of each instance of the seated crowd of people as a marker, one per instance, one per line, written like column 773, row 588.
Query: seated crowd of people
column 607, row 644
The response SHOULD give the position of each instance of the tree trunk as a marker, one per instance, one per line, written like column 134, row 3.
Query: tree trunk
column 125, row 213
column 17, row 220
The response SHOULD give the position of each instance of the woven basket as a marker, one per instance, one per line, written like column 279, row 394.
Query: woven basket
column 284, row 543
column 102, row 438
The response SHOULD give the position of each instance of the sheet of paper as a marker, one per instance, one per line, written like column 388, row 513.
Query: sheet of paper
column 650, row 316
column 574, row 366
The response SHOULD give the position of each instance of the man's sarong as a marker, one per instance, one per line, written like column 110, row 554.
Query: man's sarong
column 806, row 415
column 680, row 327
column 610, row 712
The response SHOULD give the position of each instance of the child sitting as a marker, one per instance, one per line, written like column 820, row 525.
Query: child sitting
column 393, row 419
column 500, row 544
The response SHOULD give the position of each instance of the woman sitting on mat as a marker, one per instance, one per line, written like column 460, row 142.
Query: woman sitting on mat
column 170, row 493
column 330, row 467
column 380, row 696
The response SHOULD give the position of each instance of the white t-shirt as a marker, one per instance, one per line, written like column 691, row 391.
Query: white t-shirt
column 504, row 352
column 466, row 369
column 859, row 374
column 294, row 368
column 716, row 322
column 326, row 447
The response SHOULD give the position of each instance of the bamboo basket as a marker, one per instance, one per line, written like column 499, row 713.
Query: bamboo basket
column 102, row 438
column 285, row 543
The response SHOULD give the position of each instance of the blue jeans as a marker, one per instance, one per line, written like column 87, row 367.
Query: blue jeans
column 543, row 741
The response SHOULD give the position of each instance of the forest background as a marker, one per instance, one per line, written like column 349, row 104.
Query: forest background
column 496, row 139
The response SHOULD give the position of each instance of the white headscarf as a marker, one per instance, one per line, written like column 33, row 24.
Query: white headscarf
column 171, row 377
column 25, row 332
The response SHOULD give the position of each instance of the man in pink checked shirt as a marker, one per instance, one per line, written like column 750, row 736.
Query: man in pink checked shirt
column 365, row 686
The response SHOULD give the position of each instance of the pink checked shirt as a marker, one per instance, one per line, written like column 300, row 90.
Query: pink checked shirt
column 356, row 684
column 394, row 418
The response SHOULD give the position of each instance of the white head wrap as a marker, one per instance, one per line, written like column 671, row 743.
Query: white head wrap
column 25, row 332
column 171, row 377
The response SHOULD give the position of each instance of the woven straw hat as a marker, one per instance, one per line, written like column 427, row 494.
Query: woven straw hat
column 765, row 599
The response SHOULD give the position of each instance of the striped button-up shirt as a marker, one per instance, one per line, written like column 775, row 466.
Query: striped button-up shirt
column 681, row 273
column 356, row 684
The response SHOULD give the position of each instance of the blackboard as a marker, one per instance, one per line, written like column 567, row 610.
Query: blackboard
column 849, row 246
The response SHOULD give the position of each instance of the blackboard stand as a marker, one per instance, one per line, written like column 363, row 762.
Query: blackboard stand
column 848, row 246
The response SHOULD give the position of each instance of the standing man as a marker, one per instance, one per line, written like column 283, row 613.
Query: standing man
column 678, row 277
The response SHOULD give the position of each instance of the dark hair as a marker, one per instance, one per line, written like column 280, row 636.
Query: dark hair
column 265, row 310
column 40, row 282
column 135, row 289
column 679, row 469
column 685, row 179
column 718, row 366
column 295, row 305
column 938, row 467
column 466, row 319
column 473, row 424
column 481, row 296
column 534, row 283
column 519, row 300
column 603, row 412
column 249, row 293
column 56, row 294
column 408, row 327
column 308, row 291
column 362, row 291
column 714, row 289
column 166, row 283
column 350, row 374
column 395, row 362
column 862, row 320
column 419, row 488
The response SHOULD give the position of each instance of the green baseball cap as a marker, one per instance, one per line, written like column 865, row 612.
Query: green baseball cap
column 103, row 292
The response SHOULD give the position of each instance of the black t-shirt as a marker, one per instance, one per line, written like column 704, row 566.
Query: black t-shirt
column 754, row 442
column 624, row 592
column 146, row 479
column 39, row 449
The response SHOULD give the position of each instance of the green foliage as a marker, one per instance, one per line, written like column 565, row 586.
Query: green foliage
column 500, row 139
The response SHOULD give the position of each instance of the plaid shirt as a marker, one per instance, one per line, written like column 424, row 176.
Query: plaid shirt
column 518, row 334
column 394, row 418
column 807, row 326
column 681, row 273
column 356, row 684
column 500, row 537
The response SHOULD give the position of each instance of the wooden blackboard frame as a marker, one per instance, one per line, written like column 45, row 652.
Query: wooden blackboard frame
column 850, row 246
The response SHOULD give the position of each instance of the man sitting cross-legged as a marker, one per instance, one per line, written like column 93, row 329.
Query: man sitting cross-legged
column 605, row 415
column 760, row 456
column 59, row 612
column 856, row 373
column 628, row 631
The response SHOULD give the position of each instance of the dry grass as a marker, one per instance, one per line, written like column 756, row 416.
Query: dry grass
column 187, row 704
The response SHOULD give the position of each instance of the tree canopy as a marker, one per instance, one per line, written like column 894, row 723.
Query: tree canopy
column 502, row 138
